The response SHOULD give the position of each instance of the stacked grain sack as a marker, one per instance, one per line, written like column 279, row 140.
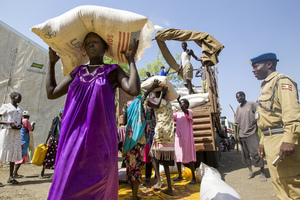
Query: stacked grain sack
column 195, row 100
column 118, row 28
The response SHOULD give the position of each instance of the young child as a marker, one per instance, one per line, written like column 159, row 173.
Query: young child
column 25, row 138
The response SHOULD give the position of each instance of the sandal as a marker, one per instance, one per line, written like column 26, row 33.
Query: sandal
column 177, row 179
column 13, row 181
column 192, row 182
column 18, row 176
column 1, row 185
column 157, row 186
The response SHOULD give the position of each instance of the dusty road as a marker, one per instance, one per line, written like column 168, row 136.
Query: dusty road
column 231, row 169
column 234, row 173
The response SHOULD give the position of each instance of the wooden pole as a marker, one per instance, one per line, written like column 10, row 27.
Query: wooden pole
column 235, row 131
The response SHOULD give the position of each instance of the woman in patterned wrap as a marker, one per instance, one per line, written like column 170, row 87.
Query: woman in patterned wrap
column 162, row 149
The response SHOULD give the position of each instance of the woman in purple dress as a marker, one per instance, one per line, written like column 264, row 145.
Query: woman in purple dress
column 87, row 156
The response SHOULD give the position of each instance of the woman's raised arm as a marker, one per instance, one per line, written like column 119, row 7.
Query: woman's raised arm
column 131, row 84
column 53, row 90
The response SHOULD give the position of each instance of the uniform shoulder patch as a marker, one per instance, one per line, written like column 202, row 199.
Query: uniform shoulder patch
column 285, row 86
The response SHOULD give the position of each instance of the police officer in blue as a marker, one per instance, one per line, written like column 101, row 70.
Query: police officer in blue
column 278, row 116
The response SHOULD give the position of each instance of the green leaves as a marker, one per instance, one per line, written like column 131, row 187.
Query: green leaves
column 154, row 68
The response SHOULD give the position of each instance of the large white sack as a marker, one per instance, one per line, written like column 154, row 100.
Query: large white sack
column 195, row 96
column 193, row 103
column 184, row 91
column 212, row 186
column 164, row 82
column 119, row 28
column 122, row 175
column 194, row 99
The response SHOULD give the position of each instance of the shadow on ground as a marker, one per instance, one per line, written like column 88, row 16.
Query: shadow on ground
column 232, row 161
column 181, row 189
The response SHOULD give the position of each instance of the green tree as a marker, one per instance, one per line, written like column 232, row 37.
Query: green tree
column 124, row 66
column 154, row 68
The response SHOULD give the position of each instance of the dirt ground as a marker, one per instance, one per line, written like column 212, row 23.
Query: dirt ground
column 232, row 170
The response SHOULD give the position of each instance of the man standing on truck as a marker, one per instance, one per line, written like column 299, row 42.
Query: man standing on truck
column 248, row 137
column 278, row 116
column 186, row 67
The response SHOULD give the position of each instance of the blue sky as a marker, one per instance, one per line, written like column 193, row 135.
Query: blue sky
column 245, row 28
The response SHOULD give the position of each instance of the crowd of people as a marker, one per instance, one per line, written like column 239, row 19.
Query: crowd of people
column 86, row 126
column 156, row 143
column 86, row 161
column 15, row 138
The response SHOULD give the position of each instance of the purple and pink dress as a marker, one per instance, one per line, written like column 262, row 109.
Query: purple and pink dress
column 87, row 157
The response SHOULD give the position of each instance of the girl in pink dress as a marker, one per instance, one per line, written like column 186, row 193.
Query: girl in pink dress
column 184, row 139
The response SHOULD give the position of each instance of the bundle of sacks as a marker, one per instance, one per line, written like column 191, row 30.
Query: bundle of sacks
column 212, row 186
column 118, row 28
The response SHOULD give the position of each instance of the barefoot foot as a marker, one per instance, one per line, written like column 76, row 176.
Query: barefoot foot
column 168, row 192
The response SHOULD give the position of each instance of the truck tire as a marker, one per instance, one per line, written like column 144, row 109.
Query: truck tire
column 232, row 143
column 200, row 158
column 212, row 158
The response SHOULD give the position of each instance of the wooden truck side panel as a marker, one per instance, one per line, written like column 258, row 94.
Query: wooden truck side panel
column 203, row 130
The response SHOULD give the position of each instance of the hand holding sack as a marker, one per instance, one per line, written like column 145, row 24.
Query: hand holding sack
column 163, row 82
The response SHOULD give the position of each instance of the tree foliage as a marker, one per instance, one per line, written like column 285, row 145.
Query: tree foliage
column 124, row 66
column 155, row 66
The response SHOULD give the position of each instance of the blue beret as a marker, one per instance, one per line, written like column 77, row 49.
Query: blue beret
column 263, row 57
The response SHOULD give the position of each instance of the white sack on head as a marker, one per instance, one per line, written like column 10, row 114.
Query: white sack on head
column 119, row 28
column 212, row 186
column 164, row 82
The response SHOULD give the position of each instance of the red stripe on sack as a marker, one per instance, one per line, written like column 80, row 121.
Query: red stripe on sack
column 126, row 47
column 122, row 49
column 120, row 39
